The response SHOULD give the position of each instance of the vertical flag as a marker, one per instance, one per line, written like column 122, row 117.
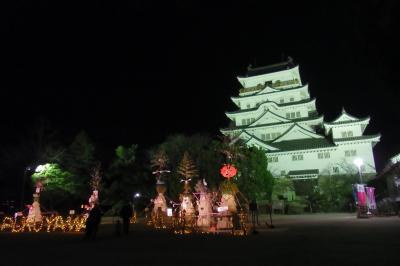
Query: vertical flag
column 362, row 201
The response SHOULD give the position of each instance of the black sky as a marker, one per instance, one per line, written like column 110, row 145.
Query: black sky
column 138, row 71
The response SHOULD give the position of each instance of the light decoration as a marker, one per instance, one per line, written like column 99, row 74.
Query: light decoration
column 222, row 208
column 133, row 219
column 169, row 212
column 228, row 171
column 48, row 224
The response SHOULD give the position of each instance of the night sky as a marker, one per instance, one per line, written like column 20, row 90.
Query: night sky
column 136, row 72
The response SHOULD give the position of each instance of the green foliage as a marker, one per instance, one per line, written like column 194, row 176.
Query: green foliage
column 305, row 187
column 53, row 177
column 297, row 206
column 282, row 186
column 253, row 178
column 59, row 187
column 126, row 155
column 79, row 160
column 336, row 192
column 120, row 180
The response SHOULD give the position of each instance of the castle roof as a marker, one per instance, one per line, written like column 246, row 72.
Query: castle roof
column 256, row 71
column 289, row 121
column 268, row 90
column 302, row 144
column 372, row 138
column 345, row 118
column 277, row 104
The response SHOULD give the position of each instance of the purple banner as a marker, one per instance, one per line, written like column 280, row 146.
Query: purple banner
column 371, row 197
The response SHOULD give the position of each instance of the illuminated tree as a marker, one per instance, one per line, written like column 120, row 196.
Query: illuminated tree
column 160, row 160
column 204, row 153
column 187, row 169
column 58, row 185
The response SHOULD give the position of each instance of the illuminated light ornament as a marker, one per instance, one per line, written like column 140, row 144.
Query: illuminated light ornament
column 228, row 171
column 50, row 224
column 54, row 223
column 133, row 219
column 74, row 224
column 34, row 210
column 8, row 223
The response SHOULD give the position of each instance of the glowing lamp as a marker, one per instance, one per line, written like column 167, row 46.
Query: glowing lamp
column 228, row 171
column 222, row 208
column 169, row 212
column 358, row 162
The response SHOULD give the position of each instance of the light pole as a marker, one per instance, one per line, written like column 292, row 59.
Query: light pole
column 23, row 188
column 359, row 162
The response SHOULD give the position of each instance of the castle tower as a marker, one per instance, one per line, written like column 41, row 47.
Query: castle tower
column 277, row 114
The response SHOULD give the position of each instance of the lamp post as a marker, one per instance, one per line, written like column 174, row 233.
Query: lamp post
column 359, row 162
column 23, row 188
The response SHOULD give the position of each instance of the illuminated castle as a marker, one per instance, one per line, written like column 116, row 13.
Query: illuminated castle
column 277, row 114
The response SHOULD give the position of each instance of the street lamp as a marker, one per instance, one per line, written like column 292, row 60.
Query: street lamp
column 23, row 188
column 359, row 162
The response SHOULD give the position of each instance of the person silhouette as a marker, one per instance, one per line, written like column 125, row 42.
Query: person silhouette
column 254, row 212
column 126, row 215
column 93, row 221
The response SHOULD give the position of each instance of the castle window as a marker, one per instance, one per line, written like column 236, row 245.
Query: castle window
column 291, row 99
column 263, row 136
column 281, row 100
column 275, row 135
column 349, row 134
column 320, row 155
column 267, row 136
column 288, row 115
column 350, row 153
column 327, row 155
column 344, row 134
column 298, row 157
column 253, row 119
column 292, row 115
column 248, row 121
column 243, row 121
column 248, row 106
column 273, row 159
column 297, row 114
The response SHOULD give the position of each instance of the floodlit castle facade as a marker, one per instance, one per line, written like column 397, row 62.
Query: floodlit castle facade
column 277, row 114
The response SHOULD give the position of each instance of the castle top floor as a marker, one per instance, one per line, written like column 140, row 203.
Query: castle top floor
column 282, row 76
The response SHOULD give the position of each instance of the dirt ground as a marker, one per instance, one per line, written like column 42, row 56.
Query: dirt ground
column 317, row 239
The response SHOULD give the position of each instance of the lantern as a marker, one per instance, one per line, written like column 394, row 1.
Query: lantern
column 228, row 171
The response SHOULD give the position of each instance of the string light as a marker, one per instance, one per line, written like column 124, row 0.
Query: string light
column 48, row 224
